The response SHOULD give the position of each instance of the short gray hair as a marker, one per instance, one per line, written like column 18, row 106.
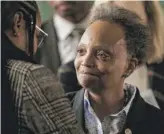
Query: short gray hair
column 137, row 35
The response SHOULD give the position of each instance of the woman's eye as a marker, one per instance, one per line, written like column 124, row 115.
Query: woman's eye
column 81, row 52
column 103, row 55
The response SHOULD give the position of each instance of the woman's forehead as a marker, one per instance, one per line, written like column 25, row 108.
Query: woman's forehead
column 103, row 32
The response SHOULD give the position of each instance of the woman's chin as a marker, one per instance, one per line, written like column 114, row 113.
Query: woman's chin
column 88, row 81
column 89, row 84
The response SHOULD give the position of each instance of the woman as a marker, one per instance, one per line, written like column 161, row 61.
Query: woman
column 113, row 45
column 32, row 100
column 150, row 12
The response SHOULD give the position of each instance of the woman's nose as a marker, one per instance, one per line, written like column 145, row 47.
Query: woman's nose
column 88, row 61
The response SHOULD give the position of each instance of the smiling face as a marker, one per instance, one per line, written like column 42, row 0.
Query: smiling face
column 102, row 57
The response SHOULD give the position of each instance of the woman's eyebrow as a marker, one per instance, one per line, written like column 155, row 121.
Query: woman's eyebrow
column 81, row 44
column 106, row 49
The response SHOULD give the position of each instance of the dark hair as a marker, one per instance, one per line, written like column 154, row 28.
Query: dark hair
column 9, row 8
column 29, row 10
column 137, row 35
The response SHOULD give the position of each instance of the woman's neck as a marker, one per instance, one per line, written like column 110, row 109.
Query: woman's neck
column 107, row 102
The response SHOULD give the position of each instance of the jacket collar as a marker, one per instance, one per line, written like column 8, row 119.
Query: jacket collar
column 135, row 116
column 9, row 51
column 79, row 108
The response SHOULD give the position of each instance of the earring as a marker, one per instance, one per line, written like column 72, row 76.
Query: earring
column 15, row 34
column 125, row 75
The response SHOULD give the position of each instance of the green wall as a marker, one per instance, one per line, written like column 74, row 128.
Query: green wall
column 45, row 9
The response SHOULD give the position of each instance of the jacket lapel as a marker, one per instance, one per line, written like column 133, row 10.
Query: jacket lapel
column 136, row 114
column 78, row 106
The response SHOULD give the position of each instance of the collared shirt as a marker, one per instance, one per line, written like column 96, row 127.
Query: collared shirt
column 112, row 124
column 64, row 28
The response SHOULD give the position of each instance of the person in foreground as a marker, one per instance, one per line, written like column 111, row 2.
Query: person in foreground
column 110, row 49
column 32, row 100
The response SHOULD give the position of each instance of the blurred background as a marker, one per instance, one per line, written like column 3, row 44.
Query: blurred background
column 47, row 11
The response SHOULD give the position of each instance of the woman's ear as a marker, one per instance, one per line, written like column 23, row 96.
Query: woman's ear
column 132, row 65
column 18, row 23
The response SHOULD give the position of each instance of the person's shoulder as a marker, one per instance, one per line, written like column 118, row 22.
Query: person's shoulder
column 21, row 72
column 24, row 68
column 41, row 74
column 154, row 115
column 19, row 66
column 153, row 111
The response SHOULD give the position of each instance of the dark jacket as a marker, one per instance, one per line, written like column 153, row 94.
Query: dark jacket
column 48, row 54
column 142, row 117
column 9, row 117
column 157, row 82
